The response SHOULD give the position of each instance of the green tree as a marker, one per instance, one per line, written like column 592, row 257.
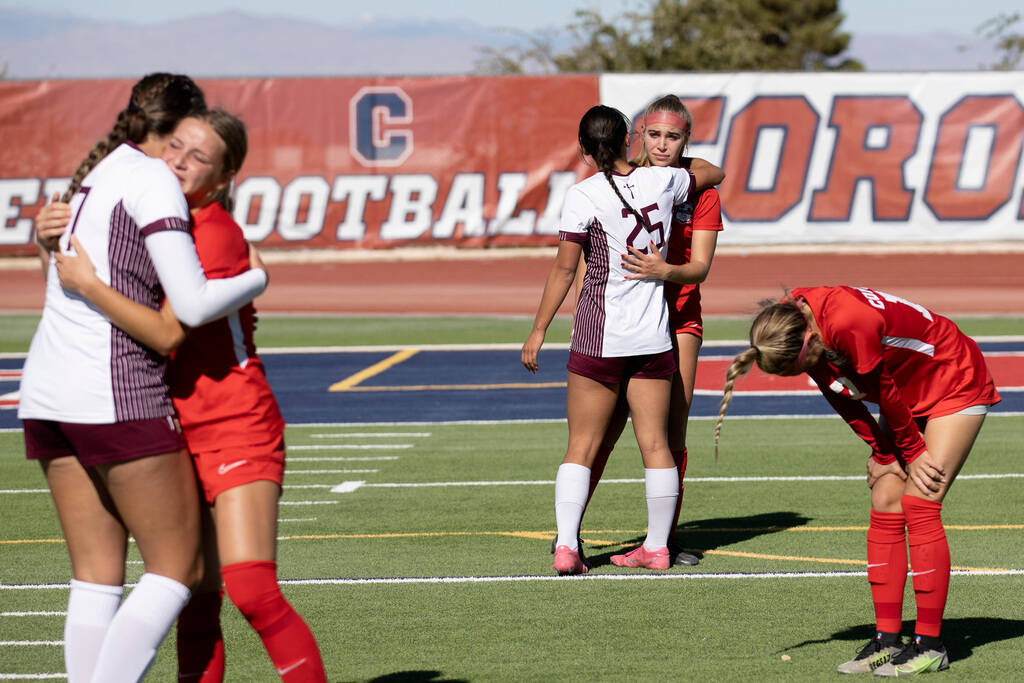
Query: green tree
column 1008, row 43
column 691, row 35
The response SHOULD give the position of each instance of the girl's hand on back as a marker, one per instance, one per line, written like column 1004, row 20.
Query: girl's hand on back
column 255, row 262
column 643, row 266
column 51, row 222
column 76, row 273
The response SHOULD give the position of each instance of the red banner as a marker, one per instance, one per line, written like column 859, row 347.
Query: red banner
column 485, row 161
column 339, row 162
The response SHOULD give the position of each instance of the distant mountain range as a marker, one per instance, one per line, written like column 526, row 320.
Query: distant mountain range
column 38, row 45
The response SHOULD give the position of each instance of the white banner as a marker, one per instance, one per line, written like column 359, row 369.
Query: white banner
column 853, row 158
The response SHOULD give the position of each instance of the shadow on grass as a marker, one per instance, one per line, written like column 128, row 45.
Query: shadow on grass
column 416, row 677
column 960, row 636
column 701, row 535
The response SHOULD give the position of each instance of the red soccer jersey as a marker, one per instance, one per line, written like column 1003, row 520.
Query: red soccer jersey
column 706, row 214
column 899, row 355
column 218, row 384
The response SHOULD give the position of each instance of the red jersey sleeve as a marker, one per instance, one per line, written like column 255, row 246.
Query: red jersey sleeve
column 707, row 215
column 220, row 243
column 863, row 424
column 896, row 412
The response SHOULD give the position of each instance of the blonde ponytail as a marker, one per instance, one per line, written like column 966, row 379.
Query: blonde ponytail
column 741, row 365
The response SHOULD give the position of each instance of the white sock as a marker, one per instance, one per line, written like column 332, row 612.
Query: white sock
column 571, row 487
column 662, row 487
column 91, row 607
column 138, row 629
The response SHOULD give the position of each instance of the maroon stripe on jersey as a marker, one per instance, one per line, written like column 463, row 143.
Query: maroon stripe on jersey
column 137, row 373
column 167, row 224
column 691, row 193
column 577, row 237
column 588, row 328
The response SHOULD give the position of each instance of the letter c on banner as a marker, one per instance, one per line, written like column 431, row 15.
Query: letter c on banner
column 374, row 112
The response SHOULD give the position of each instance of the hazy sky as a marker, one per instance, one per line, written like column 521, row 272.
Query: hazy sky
column 862, row 16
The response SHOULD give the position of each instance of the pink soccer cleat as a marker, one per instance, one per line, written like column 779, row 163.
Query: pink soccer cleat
column 642, row 557
column 567, row 561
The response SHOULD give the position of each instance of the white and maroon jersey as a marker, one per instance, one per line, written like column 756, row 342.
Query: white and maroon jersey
column 899, row 355
column 615, row 316
column 131, row 218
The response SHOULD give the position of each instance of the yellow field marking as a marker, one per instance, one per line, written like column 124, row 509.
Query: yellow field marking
column 794, row 558
column 375, row 369
column 421, row 534
column 828, row 560
column 457, row 387
column 546, row 535
column 31, row 540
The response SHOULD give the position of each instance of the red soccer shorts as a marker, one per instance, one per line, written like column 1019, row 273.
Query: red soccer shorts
column 226, row 468
column 684, row 317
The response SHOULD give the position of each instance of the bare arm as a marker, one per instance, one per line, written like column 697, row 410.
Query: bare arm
column 704, row 173
column 653, row 267
column 159, row 330
column 559, row 281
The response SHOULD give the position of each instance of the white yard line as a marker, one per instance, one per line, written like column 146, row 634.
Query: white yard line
column 692, row 576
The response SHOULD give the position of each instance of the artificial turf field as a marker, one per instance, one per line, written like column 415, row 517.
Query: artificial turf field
column 437, row 568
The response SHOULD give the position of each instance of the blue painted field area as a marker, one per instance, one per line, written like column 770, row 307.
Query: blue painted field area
column 437, row 386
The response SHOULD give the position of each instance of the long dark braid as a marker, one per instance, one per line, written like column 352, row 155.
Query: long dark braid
column 158, row 101
column 602, row 132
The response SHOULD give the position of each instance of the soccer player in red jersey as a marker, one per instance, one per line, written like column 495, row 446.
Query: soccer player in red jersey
column 228, row 414
column 933, row 390
column 665, row 129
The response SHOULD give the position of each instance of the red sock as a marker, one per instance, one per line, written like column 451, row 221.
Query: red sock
column 680, row 459
column 929, row 562
column 252, row 586
column 597, row 469
column 200, row 641
column 887, row 568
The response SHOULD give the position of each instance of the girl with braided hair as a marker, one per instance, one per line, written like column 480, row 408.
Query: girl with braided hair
column 665, row 129
column 620, row 338
column 933, row 390
column 228, row 414
column 96, row 409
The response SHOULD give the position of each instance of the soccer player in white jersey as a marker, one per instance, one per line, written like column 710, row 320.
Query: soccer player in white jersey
column 95, row 407
column 227, row 411
column 621, row 335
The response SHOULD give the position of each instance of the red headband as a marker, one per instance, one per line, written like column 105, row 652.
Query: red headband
column 667, row 118
column 798, row 365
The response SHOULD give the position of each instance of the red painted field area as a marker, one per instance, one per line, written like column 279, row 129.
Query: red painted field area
column 1007, row 371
